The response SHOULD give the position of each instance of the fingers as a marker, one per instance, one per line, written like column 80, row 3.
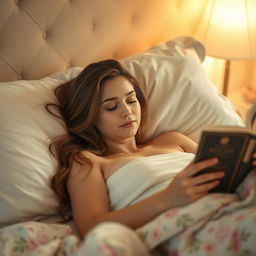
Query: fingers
column 194, row 168
column 199, row 185
column 190, row 187
column 204, row 188
column 203, row 178
column 196, row 192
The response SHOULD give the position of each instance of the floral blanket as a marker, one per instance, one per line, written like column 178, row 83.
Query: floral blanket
column 218, row 224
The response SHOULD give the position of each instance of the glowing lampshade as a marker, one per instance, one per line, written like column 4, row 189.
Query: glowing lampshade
column 228, row 29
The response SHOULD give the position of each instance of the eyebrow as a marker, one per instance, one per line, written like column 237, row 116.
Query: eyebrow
column 115, row 98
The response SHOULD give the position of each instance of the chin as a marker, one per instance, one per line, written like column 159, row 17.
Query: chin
column 128, row 135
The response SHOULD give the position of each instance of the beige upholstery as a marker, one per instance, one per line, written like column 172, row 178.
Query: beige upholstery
column 39, row 37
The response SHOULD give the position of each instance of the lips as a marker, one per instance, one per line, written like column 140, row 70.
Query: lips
column 128, row 123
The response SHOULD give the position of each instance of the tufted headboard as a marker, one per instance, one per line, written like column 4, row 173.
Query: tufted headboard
column 39, row 37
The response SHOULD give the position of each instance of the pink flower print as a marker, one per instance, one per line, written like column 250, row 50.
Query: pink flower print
column 42, row 238
column 69, row 231
column 109, row 250
column 30, row 229
column 174, row 252
column 247, row 190
column 211, row 229
column 171, row 213
column 235, row 241
column 188, row 233
column 209, row 247
column 155, row 234
column 222, row 233
column 32, row 244
column 240, row 217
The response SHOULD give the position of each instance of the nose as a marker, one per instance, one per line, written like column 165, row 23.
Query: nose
column 126, row 110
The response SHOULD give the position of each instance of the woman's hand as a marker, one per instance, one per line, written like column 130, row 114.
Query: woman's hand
column 186, row 188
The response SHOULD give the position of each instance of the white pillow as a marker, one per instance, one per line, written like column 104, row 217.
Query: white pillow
column 26, row 164
column 180, row 98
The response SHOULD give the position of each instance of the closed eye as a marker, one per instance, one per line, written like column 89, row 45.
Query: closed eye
column 114, row 107
column 111, row 109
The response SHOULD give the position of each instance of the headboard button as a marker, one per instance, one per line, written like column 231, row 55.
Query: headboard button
column 133, row 19
column 44, row 35
column 92, row 26
column 16, row 2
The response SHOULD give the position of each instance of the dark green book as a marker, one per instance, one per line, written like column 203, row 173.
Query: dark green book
column 233, row 146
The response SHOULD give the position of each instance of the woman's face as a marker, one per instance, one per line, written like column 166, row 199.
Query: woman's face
column 120, row 113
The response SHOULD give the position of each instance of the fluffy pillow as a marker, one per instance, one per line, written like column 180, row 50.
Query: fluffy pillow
column 180, row 98
column 26, row 164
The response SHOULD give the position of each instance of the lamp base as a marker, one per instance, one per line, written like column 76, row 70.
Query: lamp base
column 226, row 78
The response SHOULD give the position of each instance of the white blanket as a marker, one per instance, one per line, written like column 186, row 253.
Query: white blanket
column 144, row 176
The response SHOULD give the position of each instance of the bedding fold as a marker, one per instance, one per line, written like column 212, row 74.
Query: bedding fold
column 142, row 177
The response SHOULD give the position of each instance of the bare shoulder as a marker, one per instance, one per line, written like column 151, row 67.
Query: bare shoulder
column 176, row 138
column 170, row 136
column 83, row 166
column 86, row 179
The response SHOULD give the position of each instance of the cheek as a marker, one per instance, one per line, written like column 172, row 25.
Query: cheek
column 104, row 120
column 99, row 120
column 138, row 111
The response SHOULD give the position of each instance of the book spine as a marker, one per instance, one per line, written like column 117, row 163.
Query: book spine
column 245, row 166
column 249, row 151
column 242, row 163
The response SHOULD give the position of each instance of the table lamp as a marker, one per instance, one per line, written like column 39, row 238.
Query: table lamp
column 228, row 31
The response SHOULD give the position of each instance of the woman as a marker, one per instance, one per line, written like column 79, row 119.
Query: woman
column 105, row 112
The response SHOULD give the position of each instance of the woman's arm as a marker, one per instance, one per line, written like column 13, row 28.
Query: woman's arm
column 90, row 202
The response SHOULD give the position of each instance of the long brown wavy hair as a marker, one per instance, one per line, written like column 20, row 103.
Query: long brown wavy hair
column 78, row 105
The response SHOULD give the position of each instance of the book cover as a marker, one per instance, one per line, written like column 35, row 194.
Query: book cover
column 233, row 146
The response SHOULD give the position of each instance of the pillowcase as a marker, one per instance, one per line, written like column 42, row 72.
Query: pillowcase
column 26, row 164
column 180, row 98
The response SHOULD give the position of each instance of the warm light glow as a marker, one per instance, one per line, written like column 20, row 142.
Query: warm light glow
column 228, row 29
column 214, row 68
column 233, row 19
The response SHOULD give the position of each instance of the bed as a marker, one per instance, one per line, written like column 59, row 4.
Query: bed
column 44, row 44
